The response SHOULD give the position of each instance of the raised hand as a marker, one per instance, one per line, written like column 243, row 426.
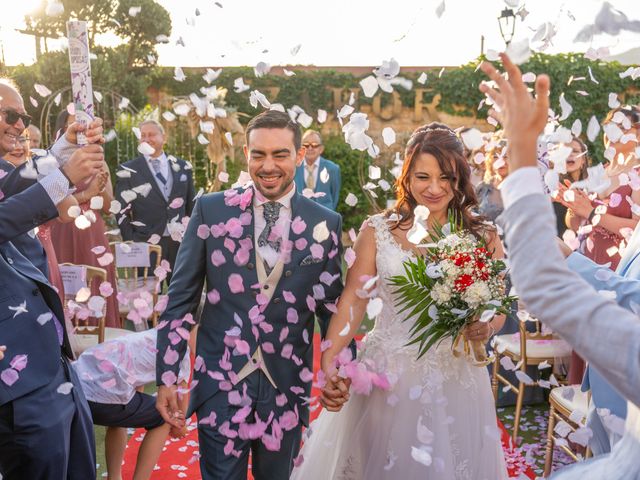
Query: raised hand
column 522, row 116
column 85, row 162
column 93, row 132
column 577, row 201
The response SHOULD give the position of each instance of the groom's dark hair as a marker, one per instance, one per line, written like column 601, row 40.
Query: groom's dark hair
column 275, row 119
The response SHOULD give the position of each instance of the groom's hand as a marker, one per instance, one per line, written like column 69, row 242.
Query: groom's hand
column 335, row 393
column 167, row 405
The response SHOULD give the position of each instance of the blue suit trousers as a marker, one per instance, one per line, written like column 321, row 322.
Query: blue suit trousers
column 266, row 464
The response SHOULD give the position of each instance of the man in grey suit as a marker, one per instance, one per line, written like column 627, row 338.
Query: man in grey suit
column 602, row 332
column 271, row 259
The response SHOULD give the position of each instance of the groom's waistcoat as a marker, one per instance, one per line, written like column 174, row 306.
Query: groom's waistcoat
column 241, row 314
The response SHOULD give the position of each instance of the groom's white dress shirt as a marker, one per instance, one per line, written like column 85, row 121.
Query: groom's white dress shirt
column 602, row 332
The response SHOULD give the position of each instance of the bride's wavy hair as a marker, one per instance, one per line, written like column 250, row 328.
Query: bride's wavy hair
column 440, row 141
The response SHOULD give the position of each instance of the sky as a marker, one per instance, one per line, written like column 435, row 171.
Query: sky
column 345, row 32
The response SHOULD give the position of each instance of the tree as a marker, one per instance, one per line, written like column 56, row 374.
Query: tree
column 105, row 16
column 142, row 29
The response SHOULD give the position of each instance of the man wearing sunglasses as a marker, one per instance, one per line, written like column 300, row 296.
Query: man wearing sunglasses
column 45, row 423
column 317, row 177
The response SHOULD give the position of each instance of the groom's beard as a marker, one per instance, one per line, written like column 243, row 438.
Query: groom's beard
column 277, row 191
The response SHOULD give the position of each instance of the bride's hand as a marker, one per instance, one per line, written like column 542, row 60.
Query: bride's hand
column 335, row 393
column 477, row 331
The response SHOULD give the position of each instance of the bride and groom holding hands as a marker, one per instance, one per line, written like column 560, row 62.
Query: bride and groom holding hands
column 270, row 261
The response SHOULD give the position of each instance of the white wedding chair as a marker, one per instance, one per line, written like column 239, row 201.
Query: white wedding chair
column 135, row 264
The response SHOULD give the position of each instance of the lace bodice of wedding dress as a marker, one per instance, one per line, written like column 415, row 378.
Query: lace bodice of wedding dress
column 386, row 344
column 435, row 421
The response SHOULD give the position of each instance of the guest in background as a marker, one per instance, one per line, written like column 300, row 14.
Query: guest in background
column 164, row 211
column 35, row 136
column 478, row 165
column 496, row 170
column 577, row 164
column 75, row 245
column 317, row 174
column 475, row 158
column 603, row 243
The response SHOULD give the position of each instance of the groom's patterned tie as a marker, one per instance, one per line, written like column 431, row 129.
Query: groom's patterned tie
column 271, row 214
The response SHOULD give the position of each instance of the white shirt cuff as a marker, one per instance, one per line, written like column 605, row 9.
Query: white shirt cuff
column 56, row 185
column 63, row 149
column 524, row 181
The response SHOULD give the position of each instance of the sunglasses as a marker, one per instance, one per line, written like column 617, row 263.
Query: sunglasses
column 12, row 117
column 311, row 145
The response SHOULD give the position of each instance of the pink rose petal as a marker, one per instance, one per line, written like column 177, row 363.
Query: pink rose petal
column 236, row 284
column 292, row 315
column 217, row 258
column 18, row 362
column 105, row 260
column 317, row 250
column 203, row 231
column 177, row 202
column 298, row 226
column 213, row 296
column 9, row 376
column 170, row 356
column 168, row 378
column 106, row 290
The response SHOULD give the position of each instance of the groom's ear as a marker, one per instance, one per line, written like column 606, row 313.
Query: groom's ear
column 245, row 149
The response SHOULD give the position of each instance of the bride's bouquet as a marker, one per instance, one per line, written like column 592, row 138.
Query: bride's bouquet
column 455, row 283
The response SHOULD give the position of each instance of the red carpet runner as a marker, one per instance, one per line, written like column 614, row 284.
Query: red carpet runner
column 179, row 459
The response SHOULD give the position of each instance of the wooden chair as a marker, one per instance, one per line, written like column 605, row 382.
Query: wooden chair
column 525, row 348
column 135, row 276
column 566, row 405
column 91, row 330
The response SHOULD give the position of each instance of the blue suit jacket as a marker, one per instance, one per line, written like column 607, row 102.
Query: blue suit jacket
column 229, row 317
column 21, row 282
column 626, row 284
column 27, row 244
column 330, row 188
column 153, row 210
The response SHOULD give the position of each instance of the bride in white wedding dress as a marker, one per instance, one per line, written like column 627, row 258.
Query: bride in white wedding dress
column 437, row 420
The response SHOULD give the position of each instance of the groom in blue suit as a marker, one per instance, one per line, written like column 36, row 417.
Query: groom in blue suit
column 270, row 260
column 317, row 174
column 626, row 284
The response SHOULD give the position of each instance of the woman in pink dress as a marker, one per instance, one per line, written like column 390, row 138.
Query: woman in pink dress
column 88, row 244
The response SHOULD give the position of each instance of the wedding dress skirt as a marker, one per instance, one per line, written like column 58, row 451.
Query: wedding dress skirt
column 437, row 421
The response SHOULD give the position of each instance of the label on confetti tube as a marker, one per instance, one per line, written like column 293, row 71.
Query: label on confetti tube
column 81, row 87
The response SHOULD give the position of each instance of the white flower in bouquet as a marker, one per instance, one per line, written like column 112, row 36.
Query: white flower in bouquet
column 477, row 294
column 440, row 293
